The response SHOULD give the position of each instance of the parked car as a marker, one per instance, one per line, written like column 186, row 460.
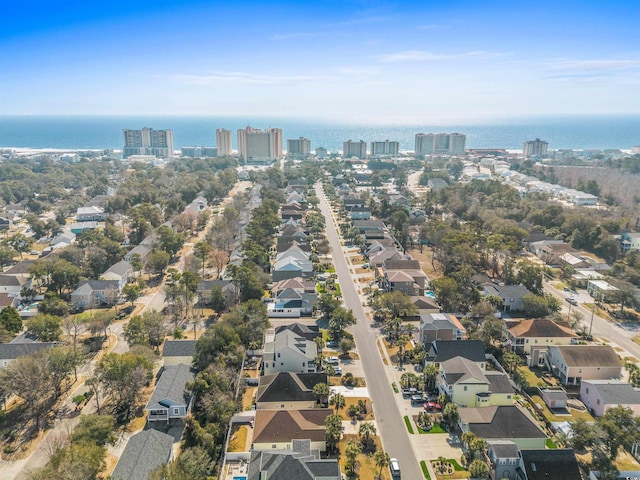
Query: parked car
column 332, row 344
column 572, row 300
column 406, row 392
column 333, row 360
column 337, row 371
column 394, row 467
column 416, row 399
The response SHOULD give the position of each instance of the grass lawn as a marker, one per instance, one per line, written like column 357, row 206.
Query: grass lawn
column 354, row 401
column 575, row 414
column 550, row 445
column 407, row 422
column 437, row 428
column 366, row 469
column 425, row 470
column 238, row 440
column 625, row 461
column 458, row 471
column 247, row 398
column 531, row 377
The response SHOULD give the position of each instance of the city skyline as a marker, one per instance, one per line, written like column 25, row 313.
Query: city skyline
column 371, row 61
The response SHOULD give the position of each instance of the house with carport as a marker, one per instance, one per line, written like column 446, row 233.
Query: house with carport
column 575, row 363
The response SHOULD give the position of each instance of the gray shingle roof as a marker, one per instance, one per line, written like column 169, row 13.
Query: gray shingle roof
column 588, row 355
column 616, row 393
column 289, row 387
column 502, row 422
column 559, row 464
column 442, row 350
column 144, row 452
column 11, row 351
column 171, row 386
column 299, row 463
column 179, row 348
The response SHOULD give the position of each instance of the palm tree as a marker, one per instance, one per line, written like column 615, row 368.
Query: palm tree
column 352, row 450
column 366, row 430
column 430, row 373
column 321, row 391
column 382, row 460
column 333, row 430
column 338, row 401
column 511, row 361
column 362, row 406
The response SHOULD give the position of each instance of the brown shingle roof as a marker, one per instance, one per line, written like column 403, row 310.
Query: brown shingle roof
column 273, row 426
column 589, row 355
column 541, row 328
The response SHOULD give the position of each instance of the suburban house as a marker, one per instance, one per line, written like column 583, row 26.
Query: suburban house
column 301, row 462
column 141, row 250
column 298, row 284
column 93, row 293
column 289, row 352
column 121, row 271
column 145, row 451
column 63, row 239
column 511, row 295
column 436, row 184
column 178, row 352
column 170, row 398
column 90, row 214
column 14, row 349
column 504, row 459
column 12, row 284
column 229, row 290
column 505, row 422
column 303, row 331
column 81, row 227
column 377, row 259
column 276, row 429
column 442, row 350
column 629, row 241
column 291, row 263
column 291, row 303
column 288, row 391
column 533, row 337
column 440, row 326
column 5, row 223
column 359, row 213
column 469, row 386
column 196, row 206
column 425, row 304
column 550, row 464
column 368, row 225
column 600, row 289
column 507, row 461
column 405, row 276
column 7, row 300
column 574, row 363
column 601, row 395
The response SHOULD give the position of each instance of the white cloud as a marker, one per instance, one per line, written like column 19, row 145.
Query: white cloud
column 245, row 78
column 423, row 55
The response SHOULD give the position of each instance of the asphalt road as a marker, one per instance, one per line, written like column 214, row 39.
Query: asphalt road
column 390, row 422
column 618, row 333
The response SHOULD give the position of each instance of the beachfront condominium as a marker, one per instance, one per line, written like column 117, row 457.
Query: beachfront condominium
column 259, row 146
column 223, row 142
column 199, row 152
column 354, row 149
column 440, row 144
column 148, row 142
column 299, row 147
column 535, row 148
column 385, row 149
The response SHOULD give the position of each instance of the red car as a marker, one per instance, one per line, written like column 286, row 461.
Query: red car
column 432, row 405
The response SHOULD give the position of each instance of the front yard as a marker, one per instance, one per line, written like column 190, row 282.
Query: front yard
column 366, row 469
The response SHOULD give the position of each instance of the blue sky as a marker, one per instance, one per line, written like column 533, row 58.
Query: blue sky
column 380, row 62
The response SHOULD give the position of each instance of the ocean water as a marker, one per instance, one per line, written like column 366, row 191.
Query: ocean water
column 94, row 132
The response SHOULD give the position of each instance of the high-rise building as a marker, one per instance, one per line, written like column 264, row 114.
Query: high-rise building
column 259, row 146
column 199, row 152
column 354, row 149
column 148, row 142
column 299, row 147
column 386, row 148
column 440, row 144
column 457, row 143
column 223, row 142
column 534, row 148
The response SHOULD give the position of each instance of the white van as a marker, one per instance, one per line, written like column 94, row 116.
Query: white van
column 394, row 466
